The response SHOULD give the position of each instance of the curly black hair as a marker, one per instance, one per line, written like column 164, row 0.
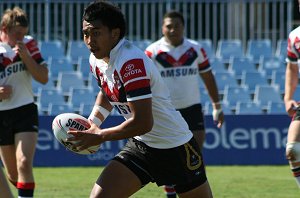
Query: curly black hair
column 109, row 14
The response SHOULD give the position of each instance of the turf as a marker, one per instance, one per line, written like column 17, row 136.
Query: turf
column 226, row 182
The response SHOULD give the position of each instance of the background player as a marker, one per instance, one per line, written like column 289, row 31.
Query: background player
column 158, row 136
column 180, row 61
column 292, row 107
column 20, row 61
column 4, row 187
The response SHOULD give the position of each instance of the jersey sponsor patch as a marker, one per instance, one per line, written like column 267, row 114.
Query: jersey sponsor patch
column 122, row 108
column 132, row 69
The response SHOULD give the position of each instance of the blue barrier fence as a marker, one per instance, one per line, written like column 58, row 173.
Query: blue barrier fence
column 243, row 140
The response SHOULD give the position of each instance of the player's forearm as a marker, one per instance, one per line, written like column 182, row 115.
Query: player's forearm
column 291, row 81
column 38, row 72
column 211, row 86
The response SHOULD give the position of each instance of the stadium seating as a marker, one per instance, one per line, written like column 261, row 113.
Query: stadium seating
column 275, row 108
column 55, row 109
column 83, row 66
column 208, row 109
column 281, row 48
column 217, row 65
column 259, row 48
column 80, row 96
column 204, row 97
column 36, row 86
column 86, row 108
column 223, row 79
column 142, row 44
column 229, row 48
column 251, row 79
column 270, row 64
column 68, row 80
column 265, row 93
column 232, row 95
column 208, row 47
column 296, row 93
column 57, row 65
column 237, row 75
column 40, row 111
column 76, row 49
column 48, row 96
column 278, row 79
column 93, row 83
column 239, row 64
column 247, row 108
column 53, row 48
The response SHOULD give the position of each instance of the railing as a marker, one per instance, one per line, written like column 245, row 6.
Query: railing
column 213, row 19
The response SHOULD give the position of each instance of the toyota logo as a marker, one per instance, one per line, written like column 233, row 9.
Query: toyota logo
column 129, row 67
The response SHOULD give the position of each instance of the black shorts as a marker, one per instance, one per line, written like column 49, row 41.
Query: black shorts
column 21, row 119
column 193, row 115
column 297, row 114
column 181, row 166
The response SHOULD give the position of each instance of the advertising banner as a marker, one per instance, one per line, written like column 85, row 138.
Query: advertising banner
column 243, row 140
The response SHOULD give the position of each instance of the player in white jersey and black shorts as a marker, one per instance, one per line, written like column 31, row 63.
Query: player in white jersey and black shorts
column 181, row 61
column 20, row 61
column 291, row 105
column 158, row 137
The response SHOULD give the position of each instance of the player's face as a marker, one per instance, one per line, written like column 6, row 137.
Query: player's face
column 15, row 34
column 98, row 38
column 173, row 30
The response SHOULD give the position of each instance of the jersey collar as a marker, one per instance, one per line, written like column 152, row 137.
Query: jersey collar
column 171, row 46
column 115, row 50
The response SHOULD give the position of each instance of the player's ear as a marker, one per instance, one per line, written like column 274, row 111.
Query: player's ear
column 115, row 33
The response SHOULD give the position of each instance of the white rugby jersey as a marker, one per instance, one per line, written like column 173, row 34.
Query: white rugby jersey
column 180, row 66
column 293, row 49
column 14, row 73
column 130, row 76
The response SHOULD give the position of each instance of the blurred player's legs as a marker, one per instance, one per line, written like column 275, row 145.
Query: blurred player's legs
column 200, row 138
column 293, row 149
column 194, row 118
column 123, row 188
column 4, row 187
column 18, row 161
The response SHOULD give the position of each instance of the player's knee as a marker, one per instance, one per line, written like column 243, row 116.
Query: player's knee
column 293, row 151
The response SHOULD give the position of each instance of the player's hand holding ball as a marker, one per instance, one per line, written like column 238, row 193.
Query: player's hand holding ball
column 86, row 138
column 73, row 132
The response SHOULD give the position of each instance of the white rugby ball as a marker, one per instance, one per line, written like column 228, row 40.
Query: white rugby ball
column 65, row 122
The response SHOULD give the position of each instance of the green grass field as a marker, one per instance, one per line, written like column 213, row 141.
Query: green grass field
column 226, row 182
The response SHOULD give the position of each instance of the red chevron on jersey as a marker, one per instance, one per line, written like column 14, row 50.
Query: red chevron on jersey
column 190, row 60
column 132, row 69
column 6, row 61
column 167, row 60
